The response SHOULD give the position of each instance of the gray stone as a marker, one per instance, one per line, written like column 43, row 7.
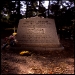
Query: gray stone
column 37, row 32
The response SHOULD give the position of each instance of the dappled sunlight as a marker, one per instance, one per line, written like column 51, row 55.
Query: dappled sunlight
column 36, row 64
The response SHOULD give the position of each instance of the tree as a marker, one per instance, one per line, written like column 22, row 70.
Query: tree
column 12, row 11
column 31, row 8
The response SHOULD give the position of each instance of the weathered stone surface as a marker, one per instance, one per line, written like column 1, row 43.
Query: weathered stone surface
column 37, row 32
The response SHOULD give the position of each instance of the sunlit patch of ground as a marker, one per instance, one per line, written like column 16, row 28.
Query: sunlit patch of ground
column 41, row 63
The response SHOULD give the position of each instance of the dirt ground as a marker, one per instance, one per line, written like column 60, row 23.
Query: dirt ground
column 55, row 62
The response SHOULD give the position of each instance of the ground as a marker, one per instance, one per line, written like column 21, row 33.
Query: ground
column 54, row 62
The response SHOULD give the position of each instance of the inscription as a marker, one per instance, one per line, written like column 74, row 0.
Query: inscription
column 36, row 40
column 36, row 37
column 37, row 23
column 37, row 30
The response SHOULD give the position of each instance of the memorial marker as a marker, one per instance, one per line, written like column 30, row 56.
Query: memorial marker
column 37, row 33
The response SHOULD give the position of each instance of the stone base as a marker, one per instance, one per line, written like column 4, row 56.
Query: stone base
column 35, row 48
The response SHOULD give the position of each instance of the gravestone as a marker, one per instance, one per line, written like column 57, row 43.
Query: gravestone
column 38, row 33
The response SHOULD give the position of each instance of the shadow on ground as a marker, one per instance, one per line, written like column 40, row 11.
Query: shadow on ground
column 13, row 63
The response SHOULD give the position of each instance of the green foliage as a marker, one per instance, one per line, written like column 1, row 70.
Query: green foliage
column 63, row 17
column 9, row 8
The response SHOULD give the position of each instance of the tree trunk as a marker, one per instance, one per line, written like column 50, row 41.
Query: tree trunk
column 19, row 9
column 39, row 4
column 61, row 25
column 48, row 8
column 26, row 8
